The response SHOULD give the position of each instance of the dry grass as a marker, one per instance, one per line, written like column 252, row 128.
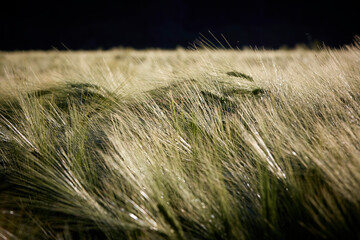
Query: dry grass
column 203, row 144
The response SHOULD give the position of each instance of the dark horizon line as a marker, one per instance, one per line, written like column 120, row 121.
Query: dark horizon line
column 316, row 45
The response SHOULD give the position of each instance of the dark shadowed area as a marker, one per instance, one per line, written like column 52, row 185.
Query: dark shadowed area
column 167, row 24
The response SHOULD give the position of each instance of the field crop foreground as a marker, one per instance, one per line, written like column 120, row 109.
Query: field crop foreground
column 182, row 144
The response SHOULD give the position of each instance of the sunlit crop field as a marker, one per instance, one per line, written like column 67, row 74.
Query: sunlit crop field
column 182, row 144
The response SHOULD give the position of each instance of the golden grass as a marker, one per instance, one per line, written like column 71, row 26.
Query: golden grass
column 183, row 144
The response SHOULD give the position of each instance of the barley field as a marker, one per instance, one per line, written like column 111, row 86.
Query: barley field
column 207, row 143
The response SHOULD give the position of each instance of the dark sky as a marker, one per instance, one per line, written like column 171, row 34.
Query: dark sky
column 104, row 24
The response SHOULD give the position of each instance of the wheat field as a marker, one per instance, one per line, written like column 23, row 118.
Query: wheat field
column 207, row 143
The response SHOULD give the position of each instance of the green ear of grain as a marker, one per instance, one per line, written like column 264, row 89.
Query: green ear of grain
column 240, row 75
column 171, row 221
